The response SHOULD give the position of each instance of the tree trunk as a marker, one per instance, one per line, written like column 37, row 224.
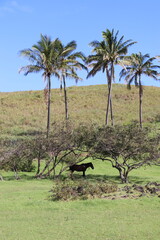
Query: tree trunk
column 39, row 163
column 109, row 101
column 48, row 105
column 111, row 109
column 124, row 177
column 65, row 99
column 44, row 169
column 109, row 95
column 140, row 102
column 123, row 173
column 16, row 174
column 112, row 79
column 51, row 169
column 1, row 178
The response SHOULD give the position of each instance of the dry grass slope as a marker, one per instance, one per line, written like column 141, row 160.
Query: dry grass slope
column 23, row 112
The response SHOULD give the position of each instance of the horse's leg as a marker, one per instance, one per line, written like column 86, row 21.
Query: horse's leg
column 84, row 173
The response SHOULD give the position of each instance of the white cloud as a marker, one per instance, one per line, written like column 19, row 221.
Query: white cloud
column 14, row 7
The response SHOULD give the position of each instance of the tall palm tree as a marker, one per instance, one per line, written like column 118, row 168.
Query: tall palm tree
column 66, row 65
column 108, row 53
column 42, row 56
column 135, row 66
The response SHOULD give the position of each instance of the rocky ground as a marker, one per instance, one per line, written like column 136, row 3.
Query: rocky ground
column 136, row 191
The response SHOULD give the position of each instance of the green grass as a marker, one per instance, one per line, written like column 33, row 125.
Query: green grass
column 28, row 214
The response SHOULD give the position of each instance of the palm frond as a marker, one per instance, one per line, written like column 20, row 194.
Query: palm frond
column 138, row 64
column 96, row 67
column 30, row 69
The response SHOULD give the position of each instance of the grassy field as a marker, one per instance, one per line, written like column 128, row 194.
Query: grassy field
column 25, row 112
column 28, row 214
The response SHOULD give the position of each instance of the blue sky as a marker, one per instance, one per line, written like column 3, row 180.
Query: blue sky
column 22, row 22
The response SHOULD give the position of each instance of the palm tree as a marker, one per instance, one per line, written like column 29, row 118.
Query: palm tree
column 108, row 53
column 66, row 65
column 42, row 56
column 135, row 66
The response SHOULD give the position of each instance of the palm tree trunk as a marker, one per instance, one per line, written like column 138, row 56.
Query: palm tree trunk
column 48, row 105
column 140, row 101
column 109, row 102
column 65, row 99
column 111, row 110
column 112, row 79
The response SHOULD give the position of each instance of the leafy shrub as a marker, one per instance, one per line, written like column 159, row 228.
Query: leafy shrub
column 127, row 147
column 73, row 190
column 17, row 156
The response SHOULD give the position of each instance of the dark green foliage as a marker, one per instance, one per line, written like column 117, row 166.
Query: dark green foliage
column 58, row 150
column 74, row 190
column 85, row 136
column 126, row 147
column 17, row 155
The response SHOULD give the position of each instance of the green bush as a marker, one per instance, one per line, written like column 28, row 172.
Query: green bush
column 17, row 155
column 73, row 190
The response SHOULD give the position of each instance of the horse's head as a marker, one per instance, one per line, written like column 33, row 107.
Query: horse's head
column 91, row 165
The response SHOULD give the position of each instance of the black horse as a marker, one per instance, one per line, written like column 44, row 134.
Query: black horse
column 81, row 168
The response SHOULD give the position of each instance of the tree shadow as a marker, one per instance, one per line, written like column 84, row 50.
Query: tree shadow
column 94, row 178
column 111, row 179
column 138, row 180
column 23, row 177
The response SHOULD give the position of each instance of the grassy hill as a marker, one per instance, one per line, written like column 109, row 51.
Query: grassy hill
column 26, row 112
